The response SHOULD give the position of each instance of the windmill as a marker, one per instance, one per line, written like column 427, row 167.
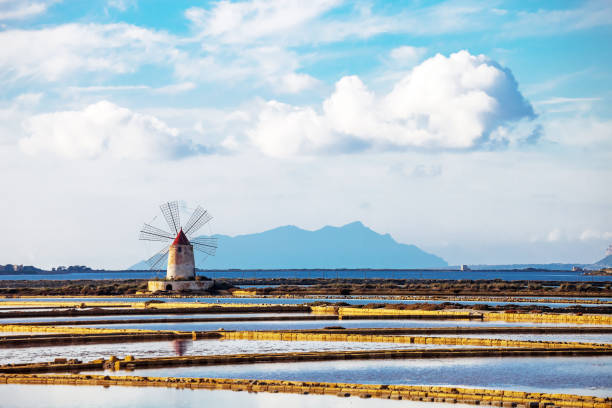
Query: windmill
column 180, row 242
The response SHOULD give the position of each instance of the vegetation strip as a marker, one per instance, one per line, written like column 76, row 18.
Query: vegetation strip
column 412, row 286
column 428, row 287
column 473, row 396
column 229, row 359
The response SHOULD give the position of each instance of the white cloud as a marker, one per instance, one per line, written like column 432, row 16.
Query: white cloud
column 295, row 82
column 457, row 102
column 57, row 52
column 589, row 14
column 13, row 113
column 284, row 130
column 122, row 5
column 422, row 170
column 590, row 234
column 555, row 235
column 293, row 22
column 270, row 66
column 249, row 21
column 579, row 131
column 103, row 129
column 567, row 105
column 167, row 89
column 175, row 88
column 561, row 100
column 407, row 55
column 28, row 100
column 21, row 9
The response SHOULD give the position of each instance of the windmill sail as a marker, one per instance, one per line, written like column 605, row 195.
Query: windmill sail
column 171, row 214
column 151, row 233
column 158, row 259
column 208, row 245
column 199, row 217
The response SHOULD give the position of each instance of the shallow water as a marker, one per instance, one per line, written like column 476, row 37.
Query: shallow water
column 571, row 375
column 296, row 324
column 65, row 396
column 88, row 352
column 148, row 316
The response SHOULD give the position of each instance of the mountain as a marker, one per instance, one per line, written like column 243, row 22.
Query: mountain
column 603, row 263
column 351, row 246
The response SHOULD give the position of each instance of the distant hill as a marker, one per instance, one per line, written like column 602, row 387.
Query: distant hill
column 603, row 263
column 351, row 246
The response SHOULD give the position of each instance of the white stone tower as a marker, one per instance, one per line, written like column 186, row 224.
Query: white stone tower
column 181, row 264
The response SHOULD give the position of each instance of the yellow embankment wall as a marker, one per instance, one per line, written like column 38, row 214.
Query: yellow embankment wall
column 550, row 318
column 352, row 311
column 179, row 305
column 531, row 317
column 463, row 341
column 244, row 293
column 70, row 330
column 474, row 396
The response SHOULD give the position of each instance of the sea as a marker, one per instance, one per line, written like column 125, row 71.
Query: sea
column 504, row 275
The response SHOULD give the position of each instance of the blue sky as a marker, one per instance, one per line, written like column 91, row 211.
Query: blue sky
column 480, row 131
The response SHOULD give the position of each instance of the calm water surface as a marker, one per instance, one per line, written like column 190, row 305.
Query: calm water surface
column 131, row 317
column 65, row 396
column 88, row 352
column 572, row 375
column 294, row 325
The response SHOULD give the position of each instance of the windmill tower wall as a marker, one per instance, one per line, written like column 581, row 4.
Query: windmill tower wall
column 181, row 264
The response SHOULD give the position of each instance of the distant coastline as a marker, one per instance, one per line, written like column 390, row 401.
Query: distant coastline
column 480, row 268
column 601, row 272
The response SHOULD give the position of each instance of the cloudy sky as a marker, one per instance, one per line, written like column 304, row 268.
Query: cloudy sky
column 478, row 131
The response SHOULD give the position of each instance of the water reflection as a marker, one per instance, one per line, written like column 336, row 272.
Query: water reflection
column 88, row 352
column 571, row 375
column 300, row 324
column 65, row 396
column 180, row 346
column 145, row 316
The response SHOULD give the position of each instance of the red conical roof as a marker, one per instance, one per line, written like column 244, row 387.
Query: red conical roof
column 181, row 239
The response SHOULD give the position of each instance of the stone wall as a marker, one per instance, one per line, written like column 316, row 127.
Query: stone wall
column 175, row 286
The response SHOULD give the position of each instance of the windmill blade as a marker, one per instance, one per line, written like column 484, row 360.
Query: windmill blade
column 171, row 214
column 158, row 258
column 208, row 250
column 151, row 233
column 199, row 217
column 208, row 245
column 208, row 241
